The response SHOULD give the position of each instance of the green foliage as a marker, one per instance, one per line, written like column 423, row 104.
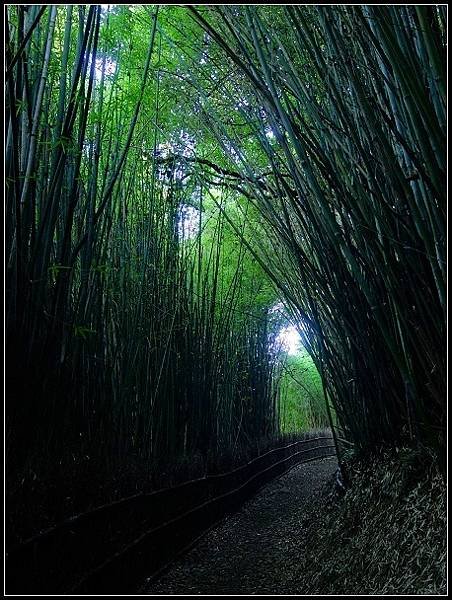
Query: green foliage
column 310, row 139
column 354, row 99
column 302, row 405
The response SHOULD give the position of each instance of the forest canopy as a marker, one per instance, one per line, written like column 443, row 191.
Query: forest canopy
column 183, row 183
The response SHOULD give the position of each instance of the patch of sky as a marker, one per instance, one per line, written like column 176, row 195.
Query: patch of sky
column 188, row 222
column 99, row 66
column 270, row 134
column 287, row 338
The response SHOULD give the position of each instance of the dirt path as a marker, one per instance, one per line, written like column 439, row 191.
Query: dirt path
column 252, row 551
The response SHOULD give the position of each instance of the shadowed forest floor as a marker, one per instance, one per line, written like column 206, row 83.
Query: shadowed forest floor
column 251, row 551
column 385, row 536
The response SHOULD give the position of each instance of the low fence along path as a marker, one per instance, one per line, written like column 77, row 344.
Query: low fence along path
column 255, row 550
column 112, row 548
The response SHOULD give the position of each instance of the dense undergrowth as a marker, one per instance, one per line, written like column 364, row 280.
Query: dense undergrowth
column 386, row 535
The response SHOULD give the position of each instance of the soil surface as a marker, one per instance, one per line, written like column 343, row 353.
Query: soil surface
column 252, row 551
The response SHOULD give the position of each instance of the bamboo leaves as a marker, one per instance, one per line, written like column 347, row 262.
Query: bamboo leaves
column 362, row 138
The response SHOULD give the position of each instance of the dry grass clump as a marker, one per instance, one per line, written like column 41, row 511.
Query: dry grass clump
column 386, row 536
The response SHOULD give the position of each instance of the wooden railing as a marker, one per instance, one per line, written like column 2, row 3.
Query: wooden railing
column 108, row 549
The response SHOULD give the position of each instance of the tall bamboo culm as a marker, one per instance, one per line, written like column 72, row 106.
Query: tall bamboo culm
column 353, row 99
column 122, row 346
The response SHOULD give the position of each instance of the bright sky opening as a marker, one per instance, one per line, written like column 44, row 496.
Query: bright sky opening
column 289, row 340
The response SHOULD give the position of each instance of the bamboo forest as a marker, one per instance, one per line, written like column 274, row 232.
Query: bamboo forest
column 225, row 292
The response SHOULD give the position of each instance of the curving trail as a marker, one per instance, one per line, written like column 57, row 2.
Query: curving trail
column 252, row 551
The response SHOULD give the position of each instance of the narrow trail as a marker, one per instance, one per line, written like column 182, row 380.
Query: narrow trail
column 252, row 551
